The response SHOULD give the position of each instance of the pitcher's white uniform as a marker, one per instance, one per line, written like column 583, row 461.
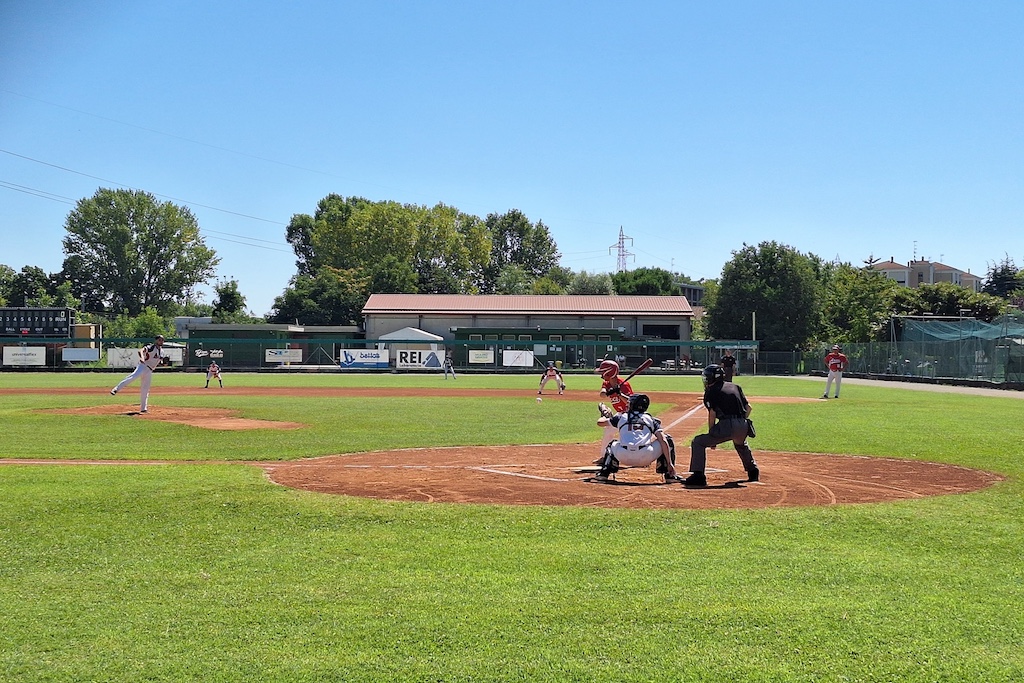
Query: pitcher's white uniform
column 150, row 356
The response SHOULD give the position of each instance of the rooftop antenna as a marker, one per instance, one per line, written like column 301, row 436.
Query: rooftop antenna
column 915, row 250
column 620, row 266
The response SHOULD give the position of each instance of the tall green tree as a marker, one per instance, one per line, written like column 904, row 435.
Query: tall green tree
column 858, row 305
column 517, row 241
column 134, row 251
column 591, row 283
column 1003, row 278
column 774, row 284
column 229, row 306
column 329, row 297
column 645, row 281
column 6, row 284
column 27, row 286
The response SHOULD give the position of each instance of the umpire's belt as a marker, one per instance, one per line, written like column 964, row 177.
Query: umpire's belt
column 731, row 417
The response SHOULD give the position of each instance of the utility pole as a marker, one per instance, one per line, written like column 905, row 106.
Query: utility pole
column 622, row 253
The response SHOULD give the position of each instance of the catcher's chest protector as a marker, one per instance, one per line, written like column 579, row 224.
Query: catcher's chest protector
column 637, row 432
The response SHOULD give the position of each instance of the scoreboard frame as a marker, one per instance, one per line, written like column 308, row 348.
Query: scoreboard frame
column 36, row 322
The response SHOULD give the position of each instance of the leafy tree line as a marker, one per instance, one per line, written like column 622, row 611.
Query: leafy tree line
column 132, row 261
column 794, row 301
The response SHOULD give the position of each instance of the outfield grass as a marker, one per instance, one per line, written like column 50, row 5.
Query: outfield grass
column 210, row 573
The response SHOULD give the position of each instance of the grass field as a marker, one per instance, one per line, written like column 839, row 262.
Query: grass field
column 185, row 572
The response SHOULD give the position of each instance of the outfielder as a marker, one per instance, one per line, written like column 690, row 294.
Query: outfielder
column 551, row 373
column 150, row 356
column 213, row 372
column 640, row 441
column 448, row 366
column 836, row 362
column 726, row 404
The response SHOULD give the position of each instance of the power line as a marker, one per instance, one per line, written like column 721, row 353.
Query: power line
column 127, row 186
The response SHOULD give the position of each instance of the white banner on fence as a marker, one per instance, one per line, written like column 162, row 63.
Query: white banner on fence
column 516, row 358
column 68, row 354
column 364, row 358
column 122, row 358
column 284, row 355
column 24, row 355
column 481, row 356
column 418, row 358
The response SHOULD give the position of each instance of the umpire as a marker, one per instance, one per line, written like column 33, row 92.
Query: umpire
column 726, row 403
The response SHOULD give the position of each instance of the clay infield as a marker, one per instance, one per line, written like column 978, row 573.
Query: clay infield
column 557, row 474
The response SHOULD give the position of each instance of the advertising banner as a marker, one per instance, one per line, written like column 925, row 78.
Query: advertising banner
column 284, row 355
column 517, row 358
column 481, row 356
column 418, row 358
column 24, row 355
column 364, row 358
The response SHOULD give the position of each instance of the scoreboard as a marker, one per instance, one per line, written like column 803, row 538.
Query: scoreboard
column 36, row 322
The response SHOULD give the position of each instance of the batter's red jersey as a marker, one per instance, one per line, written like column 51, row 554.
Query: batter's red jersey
column 620, row 400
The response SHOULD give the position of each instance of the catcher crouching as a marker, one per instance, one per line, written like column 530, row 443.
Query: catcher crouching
column 641, row 441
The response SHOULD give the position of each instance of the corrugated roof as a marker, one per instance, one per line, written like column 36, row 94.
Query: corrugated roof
column 533, row 304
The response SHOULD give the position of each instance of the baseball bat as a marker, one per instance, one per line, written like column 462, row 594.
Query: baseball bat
column 643, row 366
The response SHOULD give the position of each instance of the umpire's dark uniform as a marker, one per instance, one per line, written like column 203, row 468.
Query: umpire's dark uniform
column 731, row 409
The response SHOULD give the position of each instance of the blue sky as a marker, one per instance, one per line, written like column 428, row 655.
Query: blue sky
column 893, row 129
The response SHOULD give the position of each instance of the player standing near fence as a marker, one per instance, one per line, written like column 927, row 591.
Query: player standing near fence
column 150, row 356
column 836, row 362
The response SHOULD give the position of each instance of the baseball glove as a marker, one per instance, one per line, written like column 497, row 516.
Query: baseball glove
column 604, row 410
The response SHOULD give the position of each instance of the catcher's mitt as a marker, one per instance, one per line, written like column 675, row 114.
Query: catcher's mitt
column 604, row 410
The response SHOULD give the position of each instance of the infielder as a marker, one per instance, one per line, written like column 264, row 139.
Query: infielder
column 726, row 404
column 617, row 391
column 150, row 356
column 213, row 371
column 551, row 373
column 836, row 362
column 640, row 441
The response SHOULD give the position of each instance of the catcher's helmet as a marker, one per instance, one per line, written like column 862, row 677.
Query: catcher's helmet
column 607, row 369
column 639, row 403
column 712, row 375
column 837, row 347
column 551, row 363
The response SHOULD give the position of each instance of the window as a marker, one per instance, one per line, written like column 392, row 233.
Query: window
column 526, row 337
column 508, row 337
column 572, row 337
column 604, row 337
column 491, row 337
column 476, row 337
column 554, row 337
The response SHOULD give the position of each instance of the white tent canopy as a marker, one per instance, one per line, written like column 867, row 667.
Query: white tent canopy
column 411, row 334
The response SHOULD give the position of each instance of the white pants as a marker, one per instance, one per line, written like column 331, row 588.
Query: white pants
column 836, row 375
column 641, row 457
column 144, row 373
column 544, row 382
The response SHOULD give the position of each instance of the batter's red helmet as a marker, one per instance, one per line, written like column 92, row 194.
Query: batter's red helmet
column 607, row 369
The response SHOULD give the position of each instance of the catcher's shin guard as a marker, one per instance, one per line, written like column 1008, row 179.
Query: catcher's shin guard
column 610, row 465
column 662, row 462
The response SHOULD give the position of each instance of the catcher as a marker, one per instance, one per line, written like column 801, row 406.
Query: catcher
column 551, row 373
column 641, row 441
